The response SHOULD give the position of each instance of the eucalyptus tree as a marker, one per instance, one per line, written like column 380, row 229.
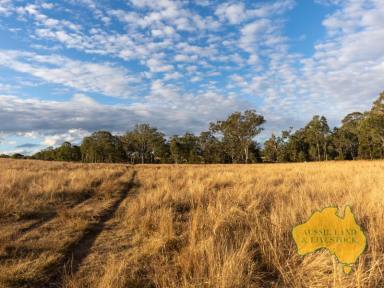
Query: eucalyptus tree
column 147, row 141
column 238, row 132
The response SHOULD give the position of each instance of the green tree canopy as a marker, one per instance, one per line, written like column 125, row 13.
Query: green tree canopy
column 238, row 132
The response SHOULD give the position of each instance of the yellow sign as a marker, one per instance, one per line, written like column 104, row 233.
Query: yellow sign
column 325, row 229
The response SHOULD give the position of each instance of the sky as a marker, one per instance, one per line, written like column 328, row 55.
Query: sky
column 69, row 68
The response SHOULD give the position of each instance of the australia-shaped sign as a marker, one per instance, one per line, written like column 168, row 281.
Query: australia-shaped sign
column 342, row 236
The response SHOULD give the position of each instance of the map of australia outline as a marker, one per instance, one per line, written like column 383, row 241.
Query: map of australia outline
column 342, row 236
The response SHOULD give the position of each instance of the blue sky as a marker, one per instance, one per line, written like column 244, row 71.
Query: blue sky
column 68, row 68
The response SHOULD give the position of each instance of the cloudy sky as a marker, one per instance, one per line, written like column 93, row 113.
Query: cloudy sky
column 68, row 68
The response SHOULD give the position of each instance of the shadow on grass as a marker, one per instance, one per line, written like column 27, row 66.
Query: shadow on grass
column 76, row 252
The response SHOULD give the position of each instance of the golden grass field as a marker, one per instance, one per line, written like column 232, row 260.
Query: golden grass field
column 105, row 225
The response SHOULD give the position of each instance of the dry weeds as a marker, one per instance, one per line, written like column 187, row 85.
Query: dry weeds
column 182, row 225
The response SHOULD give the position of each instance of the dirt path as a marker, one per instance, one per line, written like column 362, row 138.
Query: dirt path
column 56, row 245
column 77, row 251
column 110, row 241
column 40, row 218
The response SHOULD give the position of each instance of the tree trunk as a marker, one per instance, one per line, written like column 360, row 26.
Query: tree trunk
column 246, row 152
column 325, row 152
column 370, row 152
column 318, row 151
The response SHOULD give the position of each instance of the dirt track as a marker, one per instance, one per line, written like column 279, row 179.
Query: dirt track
column 68, row 234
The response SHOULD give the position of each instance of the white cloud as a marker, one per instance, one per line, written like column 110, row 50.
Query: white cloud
column 234, row 12
column 172, row 76
column 185, row 58
column 5, row 7
column 195, row 79
column 343, row 75
column 73, row 136
column 29, row 134
column 171, row 42
column 47, row 6
column 160, row 4
column 347, row 66
column 84, row 76
column 166, row 108
column 157, row 66
column 165, row 31
column 253, row 34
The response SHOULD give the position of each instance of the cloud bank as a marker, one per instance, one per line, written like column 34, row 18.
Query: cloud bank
column 180, row 64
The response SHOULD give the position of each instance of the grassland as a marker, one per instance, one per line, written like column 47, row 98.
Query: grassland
column 99, row 225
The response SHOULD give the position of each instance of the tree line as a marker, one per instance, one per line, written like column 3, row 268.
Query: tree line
column 360, row 136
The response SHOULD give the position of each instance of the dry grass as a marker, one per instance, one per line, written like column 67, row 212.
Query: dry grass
column 184, row 226
column 45, row 209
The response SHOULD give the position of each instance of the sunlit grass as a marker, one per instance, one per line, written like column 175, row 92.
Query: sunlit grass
column 203, row 225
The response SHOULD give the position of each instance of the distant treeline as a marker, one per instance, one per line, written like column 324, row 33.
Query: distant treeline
column 361, row 136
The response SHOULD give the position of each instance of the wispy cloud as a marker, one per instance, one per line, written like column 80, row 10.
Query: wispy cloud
column 164, row 108
column 84, row 76
column 342, row 76
column 181, row 64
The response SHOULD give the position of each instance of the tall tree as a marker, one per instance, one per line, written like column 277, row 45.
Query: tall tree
column 317, row 132
column 277, row 148
column 48, row 154
column 177, row 150
column 68, row 152
column 346, row 138
column 102, row 146
column 186, row 149
column 239, row 130
column 375, row 120
column 211, row 148
column 271, row 149
column 147, row 142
